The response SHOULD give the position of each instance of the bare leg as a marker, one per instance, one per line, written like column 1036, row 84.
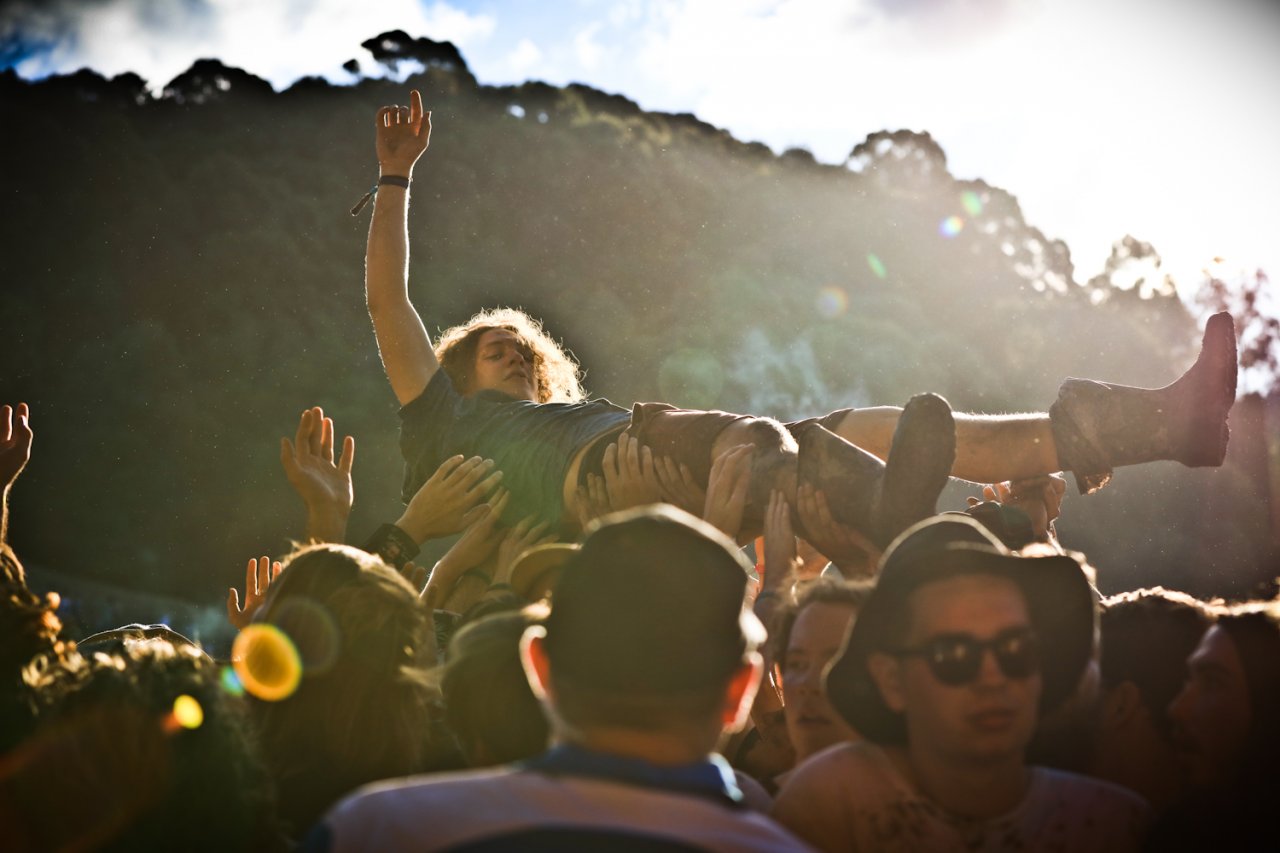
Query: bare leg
column 989, row 448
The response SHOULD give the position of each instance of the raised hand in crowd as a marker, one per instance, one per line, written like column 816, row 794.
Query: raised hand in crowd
column 1038, row 501
column 258, row 577
column 727, row 490
column 629, row 476
column 592, row 500
column 450, row 499
column 854, row 555
column 469, row 554
column 416, row 576
column 780, row 560
column 678, row 485
column 529, row 533
column 324, row 486
column 403, row 134
column 15, row 452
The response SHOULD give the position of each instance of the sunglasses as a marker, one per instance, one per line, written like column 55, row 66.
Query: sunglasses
column 956, row 659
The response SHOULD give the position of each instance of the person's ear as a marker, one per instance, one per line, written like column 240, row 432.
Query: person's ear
column 740, row 694
column 533, row 657
column 886, row 672
column 1121, row 704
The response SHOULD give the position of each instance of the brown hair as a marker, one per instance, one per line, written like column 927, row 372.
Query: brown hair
column 557, row 375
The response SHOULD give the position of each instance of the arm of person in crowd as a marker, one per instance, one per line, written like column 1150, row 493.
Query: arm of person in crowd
column 777, row 575
column 529, row 533
column 465, row 564
column 727, row 490
column 446, row 502
column 324, row 486
column 258, row 577
column 592, row 501
column 629, row 476
column 1038, row 498
column 853, row 554
column 15, row 452
column 402, row 135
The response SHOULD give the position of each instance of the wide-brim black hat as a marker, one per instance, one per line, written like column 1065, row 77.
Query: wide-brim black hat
column 1060, row 600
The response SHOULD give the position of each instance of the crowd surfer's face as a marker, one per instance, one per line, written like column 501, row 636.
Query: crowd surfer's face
column 504, row 364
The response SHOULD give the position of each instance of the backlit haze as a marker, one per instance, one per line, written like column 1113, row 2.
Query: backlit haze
column 1155, row 118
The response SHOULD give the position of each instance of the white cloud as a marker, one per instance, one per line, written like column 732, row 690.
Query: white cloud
column 280, row 42
column 525, row 57
column 587, row 49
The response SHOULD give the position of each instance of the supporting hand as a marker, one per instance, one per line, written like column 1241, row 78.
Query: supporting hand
column 441, row 506
column 325, row 487
column 727, row 489
column 525, row 535
column 1039, row 497
column 258, row 576
column 679, row 487
column 629, row 477
column 403, row 133
column 477, row 544
column 854, row 554
column 780, row 559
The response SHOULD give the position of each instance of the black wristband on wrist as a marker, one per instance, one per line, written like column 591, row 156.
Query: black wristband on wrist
column 388, row 180
column 393, row 545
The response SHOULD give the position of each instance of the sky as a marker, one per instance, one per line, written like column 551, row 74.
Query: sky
column 1156, row 118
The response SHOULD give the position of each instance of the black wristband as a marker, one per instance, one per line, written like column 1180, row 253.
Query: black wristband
column 394, row 181
column 393, row 545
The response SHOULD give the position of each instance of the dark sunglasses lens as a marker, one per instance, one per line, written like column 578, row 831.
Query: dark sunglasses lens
column 954, row 662
column 1017, row 655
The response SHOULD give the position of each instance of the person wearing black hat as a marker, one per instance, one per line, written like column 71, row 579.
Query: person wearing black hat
column 959, row 649
column 647, row 657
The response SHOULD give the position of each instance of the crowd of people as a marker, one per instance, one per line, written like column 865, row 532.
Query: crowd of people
column 596, row 664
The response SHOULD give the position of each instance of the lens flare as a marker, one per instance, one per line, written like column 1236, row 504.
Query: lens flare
column 187, row 711
column 313, row 630
column 832, row 302
column 231, row 682
column 971, row 202
column 877, row 266
column 951, row 226
column 266, row 662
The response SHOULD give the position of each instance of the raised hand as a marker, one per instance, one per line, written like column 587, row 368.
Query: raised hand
column 403, row 133
column 591, row 500
column 440, row 507
column 780, row 559
column 678, row 485
column 727, row 489
column 525, row 535
column 854, row 554
column 476, row 545
column 1039, row 497
column 324, row 486
column 15, row 442
column 258, row 576
column 629, row 476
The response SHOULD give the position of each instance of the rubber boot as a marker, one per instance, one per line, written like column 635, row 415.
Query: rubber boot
column 1098, row 426
column 880, row 499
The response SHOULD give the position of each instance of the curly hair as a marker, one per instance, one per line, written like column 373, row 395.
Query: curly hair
column 558, row 376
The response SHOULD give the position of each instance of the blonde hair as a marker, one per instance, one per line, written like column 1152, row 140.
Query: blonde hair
column 558, row 377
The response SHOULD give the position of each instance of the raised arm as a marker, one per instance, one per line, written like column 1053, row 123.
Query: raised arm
column 403, row 133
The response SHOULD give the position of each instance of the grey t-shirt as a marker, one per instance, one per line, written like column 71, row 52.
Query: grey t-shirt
column 533, row 444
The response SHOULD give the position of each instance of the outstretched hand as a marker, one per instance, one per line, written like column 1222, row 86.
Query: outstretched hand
column 629, row 476
column 1039, row 497
column 15, row 443
column 780, row 559
column 727, row 489
column 258, row 576
column 403, row 133
column 678, row 485
column 854, row 554
column 324, row 486
column 441, row 506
